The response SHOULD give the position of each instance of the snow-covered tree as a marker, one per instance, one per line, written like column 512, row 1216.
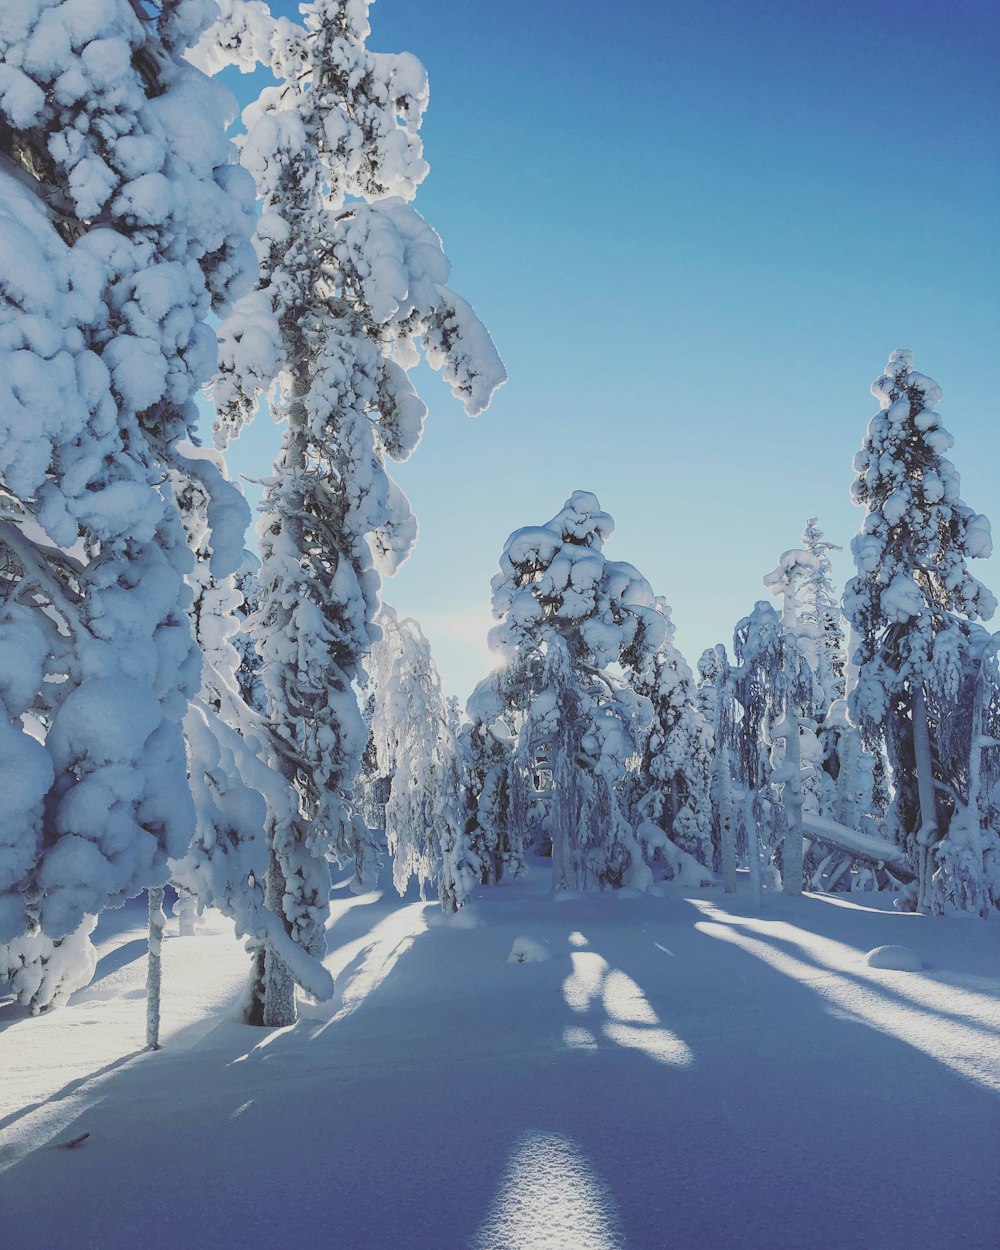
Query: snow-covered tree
column 716, row 702
column 378, row 762
column 486, row 754
column 836, row 773
column 234, row 791
column 822, row 609
column 567, row 614
column 353, row 283
column 415, row 749
column 671, row 782
column 248, row 672
column 920, row 657
column 123, row 225
column 773, row 684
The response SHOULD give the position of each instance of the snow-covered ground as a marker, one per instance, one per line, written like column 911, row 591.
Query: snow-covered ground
column 621, row 1070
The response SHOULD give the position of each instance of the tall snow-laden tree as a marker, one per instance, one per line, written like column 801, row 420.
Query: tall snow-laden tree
column 716, row 702
column 378, row 761
column 234, row 791
column 353, row 286
column 124, row 225
column 567, row 614
column 773, row 685
column 486, row 756
column 822, row 608
column 672, row 779
column 920, row 655
column 415, row 747
column 837, row 774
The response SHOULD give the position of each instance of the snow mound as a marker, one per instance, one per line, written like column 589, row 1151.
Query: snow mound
column 464, row 918
column 897, row 958
column 527, row 950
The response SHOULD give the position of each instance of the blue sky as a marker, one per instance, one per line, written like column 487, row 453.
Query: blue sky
column 696, row 231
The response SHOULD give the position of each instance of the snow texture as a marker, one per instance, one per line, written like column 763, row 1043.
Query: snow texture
column 894, row 958
column 540, row 1093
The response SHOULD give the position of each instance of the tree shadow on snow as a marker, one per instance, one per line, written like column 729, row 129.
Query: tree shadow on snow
column 652, row 1083
column 71, row 1087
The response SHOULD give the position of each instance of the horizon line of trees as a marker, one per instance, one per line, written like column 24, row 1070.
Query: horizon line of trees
column 850, row 741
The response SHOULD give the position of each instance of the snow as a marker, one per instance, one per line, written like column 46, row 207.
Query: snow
column 682, row 1071
column 894, row 958
column 866, row 845
column 528, row 950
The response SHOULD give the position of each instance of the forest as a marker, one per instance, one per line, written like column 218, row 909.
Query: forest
column 224, row 728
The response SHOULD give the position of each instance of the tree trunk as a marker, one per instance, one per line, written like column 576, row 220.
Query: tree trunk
column 753, row 850
column 157, row 924
column 927, row 833
column 279, row 988
column 727, row 822
column 847, row 781
column 186, row 913
column 791, row 857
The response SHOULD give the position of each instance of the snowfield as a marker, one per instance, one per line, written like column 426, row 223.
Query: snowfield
column 681, row 1071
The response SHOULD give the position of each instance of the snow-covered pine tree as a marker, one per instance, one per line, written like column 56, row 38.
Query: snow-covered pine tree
column 773, row 684
column 125, row 224
column 716, row 702
column 812, row 789
column 566, row 615
column 415, row 748
column 822, row 609
column 920, row 656
column 670, row 784
column 248, row 673
column 353, row 282
column 235, row 792
column 378, row 761
column 486, row 755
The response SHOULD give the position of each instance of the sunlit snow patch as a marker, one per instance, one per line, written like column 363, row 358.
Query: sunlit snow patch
column 550, row 1199
column 579, row 1039
column 630, row 1020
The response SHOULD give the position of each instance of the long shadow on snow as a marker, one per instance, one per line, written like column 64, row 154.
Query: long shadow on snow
column 924, row 987
column 456, row 1107
column 69, row 1088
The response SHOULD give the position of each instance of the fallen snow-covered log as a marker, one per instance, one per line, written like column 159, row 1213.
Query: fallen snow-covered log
column 863, row 845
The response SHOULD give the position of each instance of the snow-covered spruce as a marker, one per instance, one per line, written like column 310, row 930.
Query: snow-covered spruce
column 670, row 787
column 717, row 704
column 774, row 686
column 415, row 748
column 567, row 614
column 926, row 673
column 123, row 225
column 353, row 282
column 486, row 754
column 835, row 772
column 234, row 791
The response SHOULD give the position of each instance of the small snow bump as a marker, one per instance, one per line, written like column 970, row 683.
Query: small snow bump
column 528, row 950
column 895, row 958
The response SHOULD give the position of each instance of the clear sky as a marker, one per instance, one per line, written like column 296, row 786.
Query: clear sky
column 695, row 231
